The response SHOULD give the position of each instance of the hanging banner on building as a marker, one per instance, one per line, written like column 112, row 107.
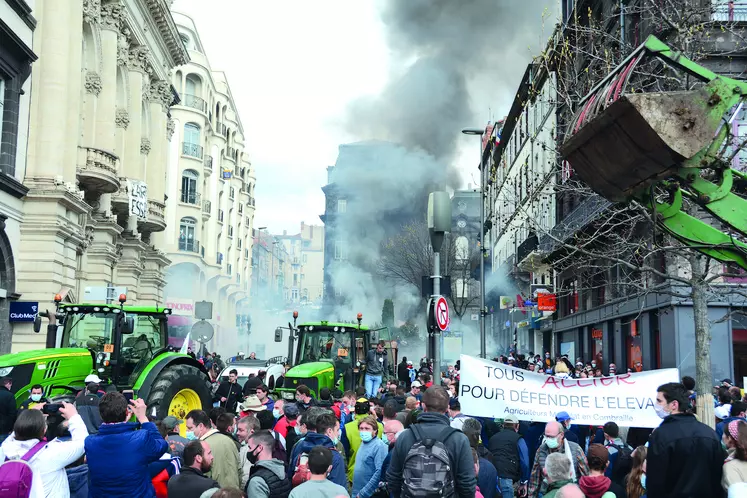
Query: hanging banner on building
column 138, row 194
column 494, row 390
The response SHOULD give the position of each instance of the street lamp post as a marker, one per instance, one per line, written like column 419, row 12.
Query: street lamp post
column 483, row 347
column 256, row 263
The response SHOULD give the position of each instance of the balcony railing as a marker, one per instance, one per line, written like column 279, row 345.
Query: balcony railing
column 730, row 12
column 192, row 150
column 209, row 162
column 194, row 102
column 189, row 246
column 207, row 206
column 589, row 209
column 526, row 247
column 190, row 197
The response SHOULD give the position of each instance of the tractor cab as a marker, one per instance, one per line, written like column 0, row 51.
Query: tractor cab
column 122, row 339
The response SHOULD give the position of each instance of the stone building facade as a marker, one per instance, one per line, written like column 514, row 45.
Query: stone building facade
column 99, row 129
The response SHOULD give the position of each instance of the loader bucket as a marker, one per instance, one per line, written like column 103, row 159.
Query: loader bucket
column 641, row 138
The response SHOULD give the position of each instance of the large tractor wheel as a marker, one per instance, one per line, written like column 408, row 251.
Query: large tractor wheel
column 179, row 389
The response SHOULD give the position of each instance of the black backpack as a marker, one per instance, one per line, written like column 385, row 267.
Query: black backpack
column 428, row 469
column 623, row 464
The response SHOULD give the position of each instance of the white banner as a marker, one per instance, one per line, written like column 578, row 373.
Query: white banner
column 138, row 194
column 494, row 390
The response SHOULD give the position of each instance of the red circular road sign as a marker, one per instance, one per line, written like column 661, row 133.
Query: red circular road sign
column 442, row 313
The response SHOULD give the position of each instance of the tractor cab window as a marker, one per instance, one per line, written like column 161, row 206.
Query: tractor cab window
column 89, row 330
column 325, row 345
column 141, row 346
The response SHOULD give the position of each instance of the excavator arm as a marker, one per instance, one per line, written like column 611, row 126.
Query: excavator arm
column 627, row 145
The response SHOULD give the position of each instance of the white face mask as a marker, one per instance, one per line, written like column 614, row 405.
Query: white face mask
column 661, row 411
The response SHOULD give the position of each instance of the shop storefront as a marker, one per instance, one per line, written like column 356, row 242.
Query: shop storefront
column 660, row 336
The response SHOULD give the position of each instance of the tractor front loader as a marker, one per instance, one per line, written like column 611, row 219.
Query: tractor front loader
column 662, row 148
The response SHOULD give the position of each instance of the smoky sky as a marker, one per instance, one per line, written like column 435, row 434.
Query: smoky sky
column 453, row 60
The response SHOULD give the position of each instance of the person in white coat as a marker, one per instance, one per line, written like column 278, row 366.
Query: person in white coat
column 48, row 465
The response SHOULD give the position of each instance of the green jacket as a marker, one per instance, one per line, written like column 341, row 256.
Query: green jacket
column 225, row 468
column 554, row 487
column 354, row 439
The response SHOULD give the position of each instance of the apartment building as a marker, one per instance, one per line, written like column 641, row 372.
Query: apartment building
column 210, row 188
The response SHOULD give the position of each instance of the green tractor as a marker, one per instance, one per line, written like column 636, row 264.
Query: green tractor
column 329, row 355
column 126, row 346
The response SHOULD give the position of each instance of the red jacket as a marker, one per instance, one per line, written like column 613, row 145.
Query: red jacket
column 281, row 426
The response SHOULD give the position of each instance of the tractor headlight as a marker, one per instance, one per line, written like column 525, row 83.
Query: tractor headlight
column 5, row 371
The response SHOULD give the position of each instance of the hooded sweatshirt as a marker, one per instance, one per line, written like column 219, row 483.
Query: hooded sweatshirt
column 596, row 486
column 257, row 486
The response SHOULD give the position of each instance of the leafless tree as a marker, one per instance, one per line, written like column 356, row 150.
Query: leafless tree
column 408, row 257
column 622, row 254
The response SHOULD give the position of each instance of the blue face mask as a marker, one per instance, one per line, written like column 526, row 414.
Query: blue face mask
column 298, row 431
column 643, row 480
column 276, row 413
column 366, row 436
column 190, row 435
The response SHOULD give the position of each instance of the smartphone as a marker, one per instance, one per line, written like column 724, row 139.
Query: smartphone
column 50, row 408
column 129, row 394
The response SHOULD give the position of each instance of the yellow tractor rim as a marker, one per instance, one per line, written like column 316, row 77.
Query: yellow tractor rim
column 182, row 403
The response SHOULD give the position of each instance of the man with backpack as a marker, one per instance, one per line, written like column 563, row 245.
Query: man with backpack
column 620, row 454
column 431, row 456
column 36, row 468
column 267, row 478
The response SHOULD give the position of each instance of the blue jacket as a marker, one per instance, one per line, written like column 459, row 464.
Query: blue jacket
column 368, row 463
column 338, row 473
column 77, row 480
column 118, row 458
column 487, row 478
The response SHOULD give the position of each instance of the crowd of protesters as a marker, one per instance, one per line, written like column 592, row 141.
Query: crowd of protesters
column 409, row 438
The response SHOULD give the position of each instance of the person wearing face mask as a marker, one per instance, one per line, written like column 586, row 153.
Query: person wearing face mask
column 36, row 397
column 245, row 428
column 685, row 456
column 282, row 420
column 267, row 478
column 392, row 430
column 326, row 433
column 565, row 420
column 191, row 482
column 351, row 438
column 635, row 482
column 555, row 442
column 369, row 459
column 225, row 467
